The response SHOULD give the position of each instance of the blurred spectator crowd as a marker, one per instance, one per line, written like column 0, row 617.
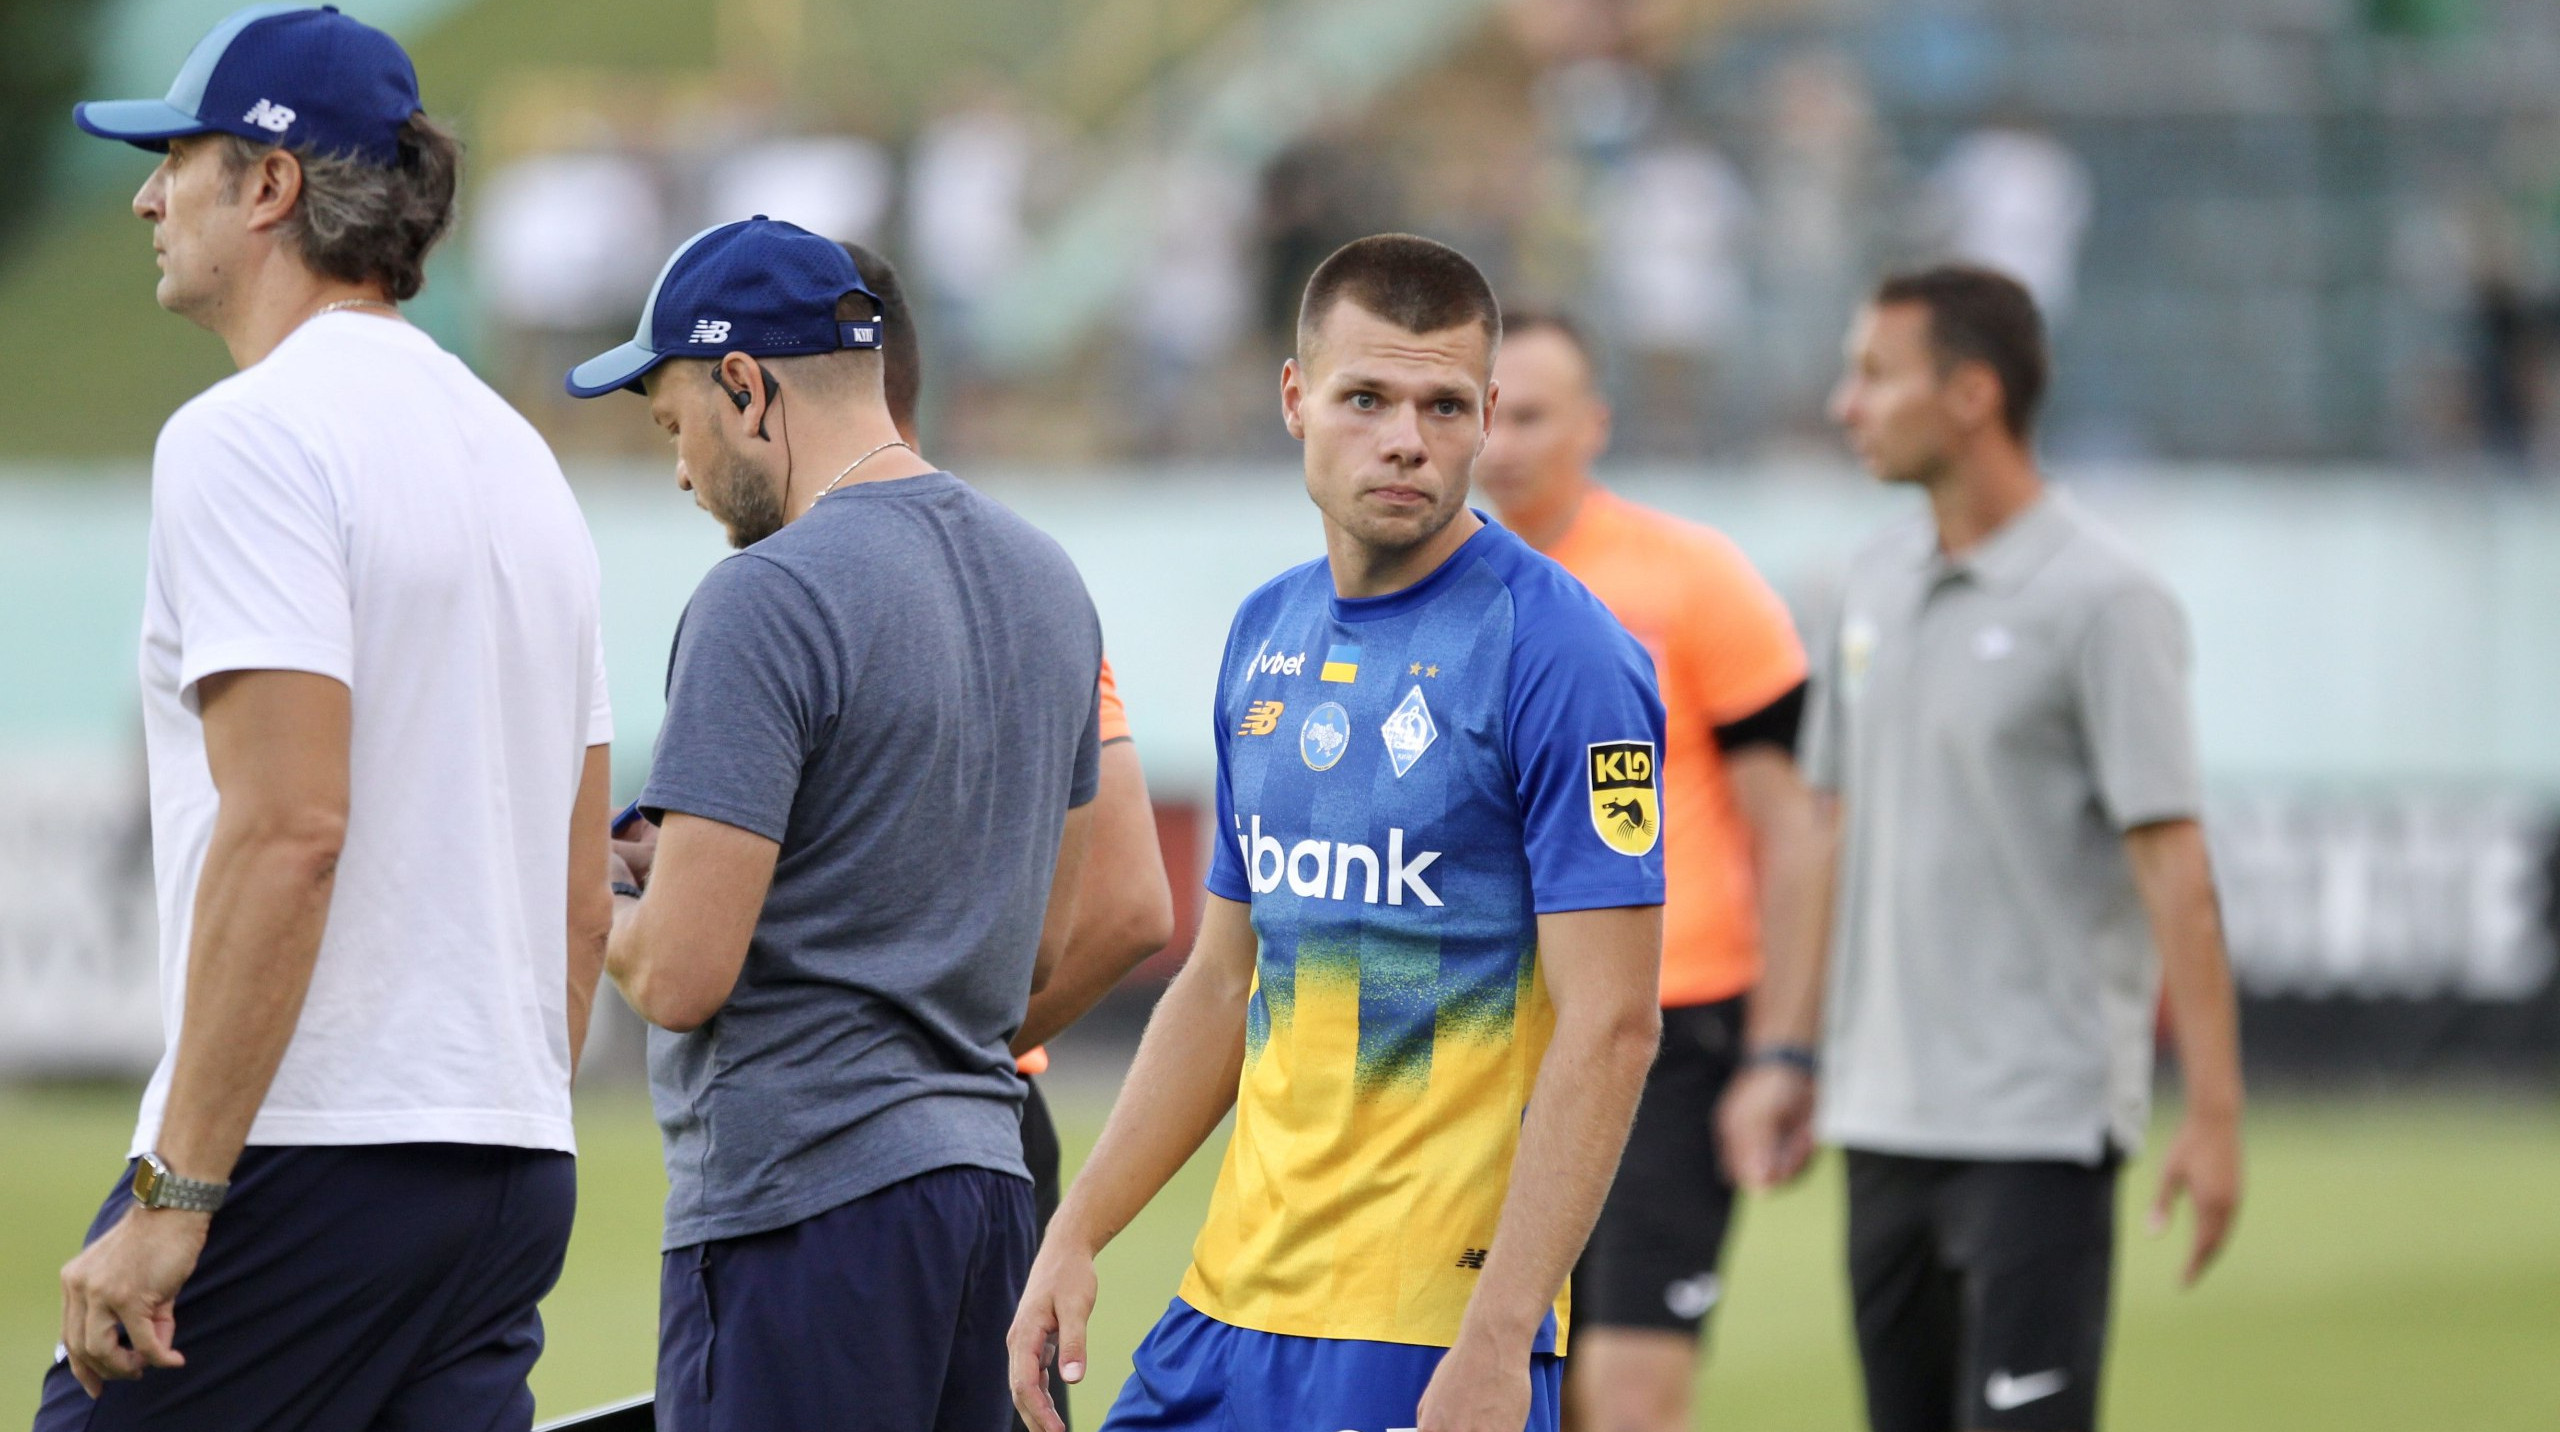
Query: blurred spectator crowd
column 1710, row 194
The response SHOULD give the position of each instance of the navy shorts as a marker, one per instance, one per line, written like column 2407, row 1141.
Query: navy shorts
column 369, row 1288
column 887, row 1313
column 1196, row 1374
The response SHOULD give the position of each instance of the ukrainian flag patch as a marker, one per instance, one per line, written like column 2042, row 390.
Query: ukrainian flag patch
column 1341, row 663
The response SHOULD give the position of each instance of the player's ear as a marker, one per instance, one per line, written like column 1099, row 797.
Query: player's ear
column 1973, row 390
column 1293, row 393
column 1604, row 422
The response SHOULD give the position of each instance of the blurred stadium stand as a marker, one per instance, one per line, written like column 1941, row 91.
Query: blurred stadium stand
column 2272, row 230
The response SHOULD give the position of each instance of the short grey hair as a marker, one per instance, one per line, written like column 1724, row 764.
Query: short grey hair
column 358, row 222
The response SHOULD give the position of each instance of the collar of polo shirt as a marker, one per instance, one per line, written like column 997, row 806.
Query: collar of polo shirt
column 2008, row 557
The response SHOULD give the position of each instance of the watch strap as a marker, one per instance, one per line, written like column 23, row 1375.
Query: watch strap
column 154, row 1186
column 1801, row 1058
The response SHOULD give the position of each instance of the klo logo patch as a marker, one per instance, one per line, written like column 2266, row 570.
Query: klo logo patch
column 1626, row 796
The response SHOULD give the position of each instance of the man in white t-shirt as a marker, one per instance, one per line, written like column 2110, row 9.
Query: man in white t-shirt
column 371, row 618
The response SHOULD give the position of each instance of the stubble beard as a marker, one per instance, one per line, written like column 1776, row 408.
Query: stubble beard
column 742, row 500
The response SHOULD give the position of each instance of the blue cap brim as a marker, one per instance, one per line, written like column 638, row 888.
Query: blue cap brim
column 614, row 370
column 148, row 123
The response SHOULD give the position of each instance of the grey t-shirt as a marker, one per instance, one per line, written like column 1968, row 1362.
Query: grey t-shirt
column 899, row 688
column 1993, row 725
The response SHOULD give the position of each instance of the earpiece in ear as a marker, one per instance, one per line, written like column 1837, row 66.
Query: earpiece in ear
column 739, row 396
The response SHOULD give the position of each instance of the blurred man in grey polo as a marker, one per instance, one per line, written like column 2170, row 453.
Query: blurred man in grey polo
column 2001, row 718
column 371, row 612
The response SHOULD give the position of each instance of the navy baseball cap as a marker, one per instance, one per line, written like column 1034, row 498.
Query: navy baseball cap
column 278, row 74
column 759, row 287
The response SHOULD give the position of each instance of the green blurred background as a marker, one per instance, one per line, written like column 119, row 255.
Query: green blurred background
column 2395, row 1269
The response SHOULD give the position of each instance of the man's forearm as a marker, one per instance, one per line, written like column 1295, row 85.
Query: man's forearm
column 1792, row 832
column 2204, row 1017
column 2176, row 879
column 1181, row 1084
column 261, row 906
column 1570, row 1141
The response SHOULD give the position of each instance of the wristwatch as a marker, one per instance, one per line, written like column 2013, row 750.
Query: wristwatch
column 1798, row 1057
column 155, row 1187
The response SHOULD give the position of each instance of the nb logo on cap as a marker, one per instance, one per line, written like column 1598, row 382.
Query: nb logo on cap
column 711, row 330
column 269, row 116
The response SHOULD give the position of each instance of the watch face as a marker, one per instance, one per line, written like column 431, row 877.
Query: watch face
column 146, row 1181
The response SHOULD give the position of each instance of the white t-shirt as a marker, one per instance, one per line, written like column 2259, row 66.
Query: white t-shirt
column 362, row 507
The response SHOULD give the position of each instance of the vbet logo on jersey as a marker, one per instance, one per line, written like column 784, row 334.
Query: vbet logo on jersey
column 1267, row 662
column 1325, row 737
column 1626, row 798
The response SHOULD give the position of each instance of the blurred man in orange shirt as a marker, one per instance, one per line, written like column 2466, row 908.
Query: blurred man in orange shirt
column 1739, row 835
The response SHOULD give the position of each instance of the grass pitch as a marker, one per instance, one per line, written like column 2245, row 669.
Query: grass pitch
column 2397, row 1266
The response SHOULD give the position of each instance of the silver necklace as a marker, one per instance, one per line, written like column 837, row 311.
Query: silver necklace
column 391, row 309
column 857, row 462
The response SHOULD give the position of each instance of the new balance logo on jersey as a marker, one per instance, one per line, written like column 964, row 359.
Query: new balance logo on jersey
column 1472, row 1257
column 1321, row 869
column 269, row 116
column 711, row 330
column 1267, row 662
column 1261, row 718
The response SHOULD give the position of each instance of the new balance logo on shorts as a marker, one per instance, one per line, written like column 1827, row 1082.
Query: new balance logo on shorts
column 269, row 116
column 711, row 330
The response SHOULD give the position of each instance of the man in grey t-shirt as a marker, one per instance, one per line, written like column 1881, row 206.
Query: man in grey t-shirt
column 880, row 743
column 2001, row 716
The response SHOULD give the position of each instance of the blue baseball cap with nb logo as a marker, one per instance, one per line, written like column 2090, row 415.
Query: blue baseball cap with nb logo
column 758, row 286
column 279, row 74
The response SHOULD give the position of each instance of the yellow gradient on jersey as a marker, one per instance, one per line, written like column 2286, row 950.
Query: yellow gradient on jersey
column 1363, row 1209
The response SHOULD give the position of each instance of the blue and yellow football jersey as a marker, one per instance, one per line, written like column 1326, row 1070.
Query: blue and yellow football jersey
column 1457, row 759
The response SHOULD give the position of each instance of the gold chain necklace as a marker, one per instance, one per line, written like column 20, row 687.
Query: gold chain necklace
column 857, row 462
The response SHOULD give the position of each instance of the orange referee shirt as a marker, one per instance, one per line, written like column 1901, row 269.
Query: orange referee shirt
column 1115, row 727
column 1723, row 647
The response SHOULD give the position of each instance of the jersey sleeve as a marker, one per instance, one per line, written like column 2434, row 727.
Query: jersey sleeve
column 1584, row 718
column 1086, row 782
column 1818, row 755
column 599, row 696
column 748, row 694
column 246, row 535
column 1226, row 860
column 1737, row 640
column 1115, row 717
column 2132, row 681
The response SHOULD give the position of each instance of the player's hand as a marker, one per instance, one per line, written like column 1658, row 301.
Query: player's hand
column 1765, row 1124
column 2204, row 1163
column 1057, row 1299
column 637, row 852
column 1478, row 1387
column 123, row 1289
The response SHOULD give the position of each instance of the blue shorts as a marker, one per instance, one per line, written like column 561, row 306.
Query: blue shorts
column 1194, row 1372
column 885, row 1313
column 353, row 1289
